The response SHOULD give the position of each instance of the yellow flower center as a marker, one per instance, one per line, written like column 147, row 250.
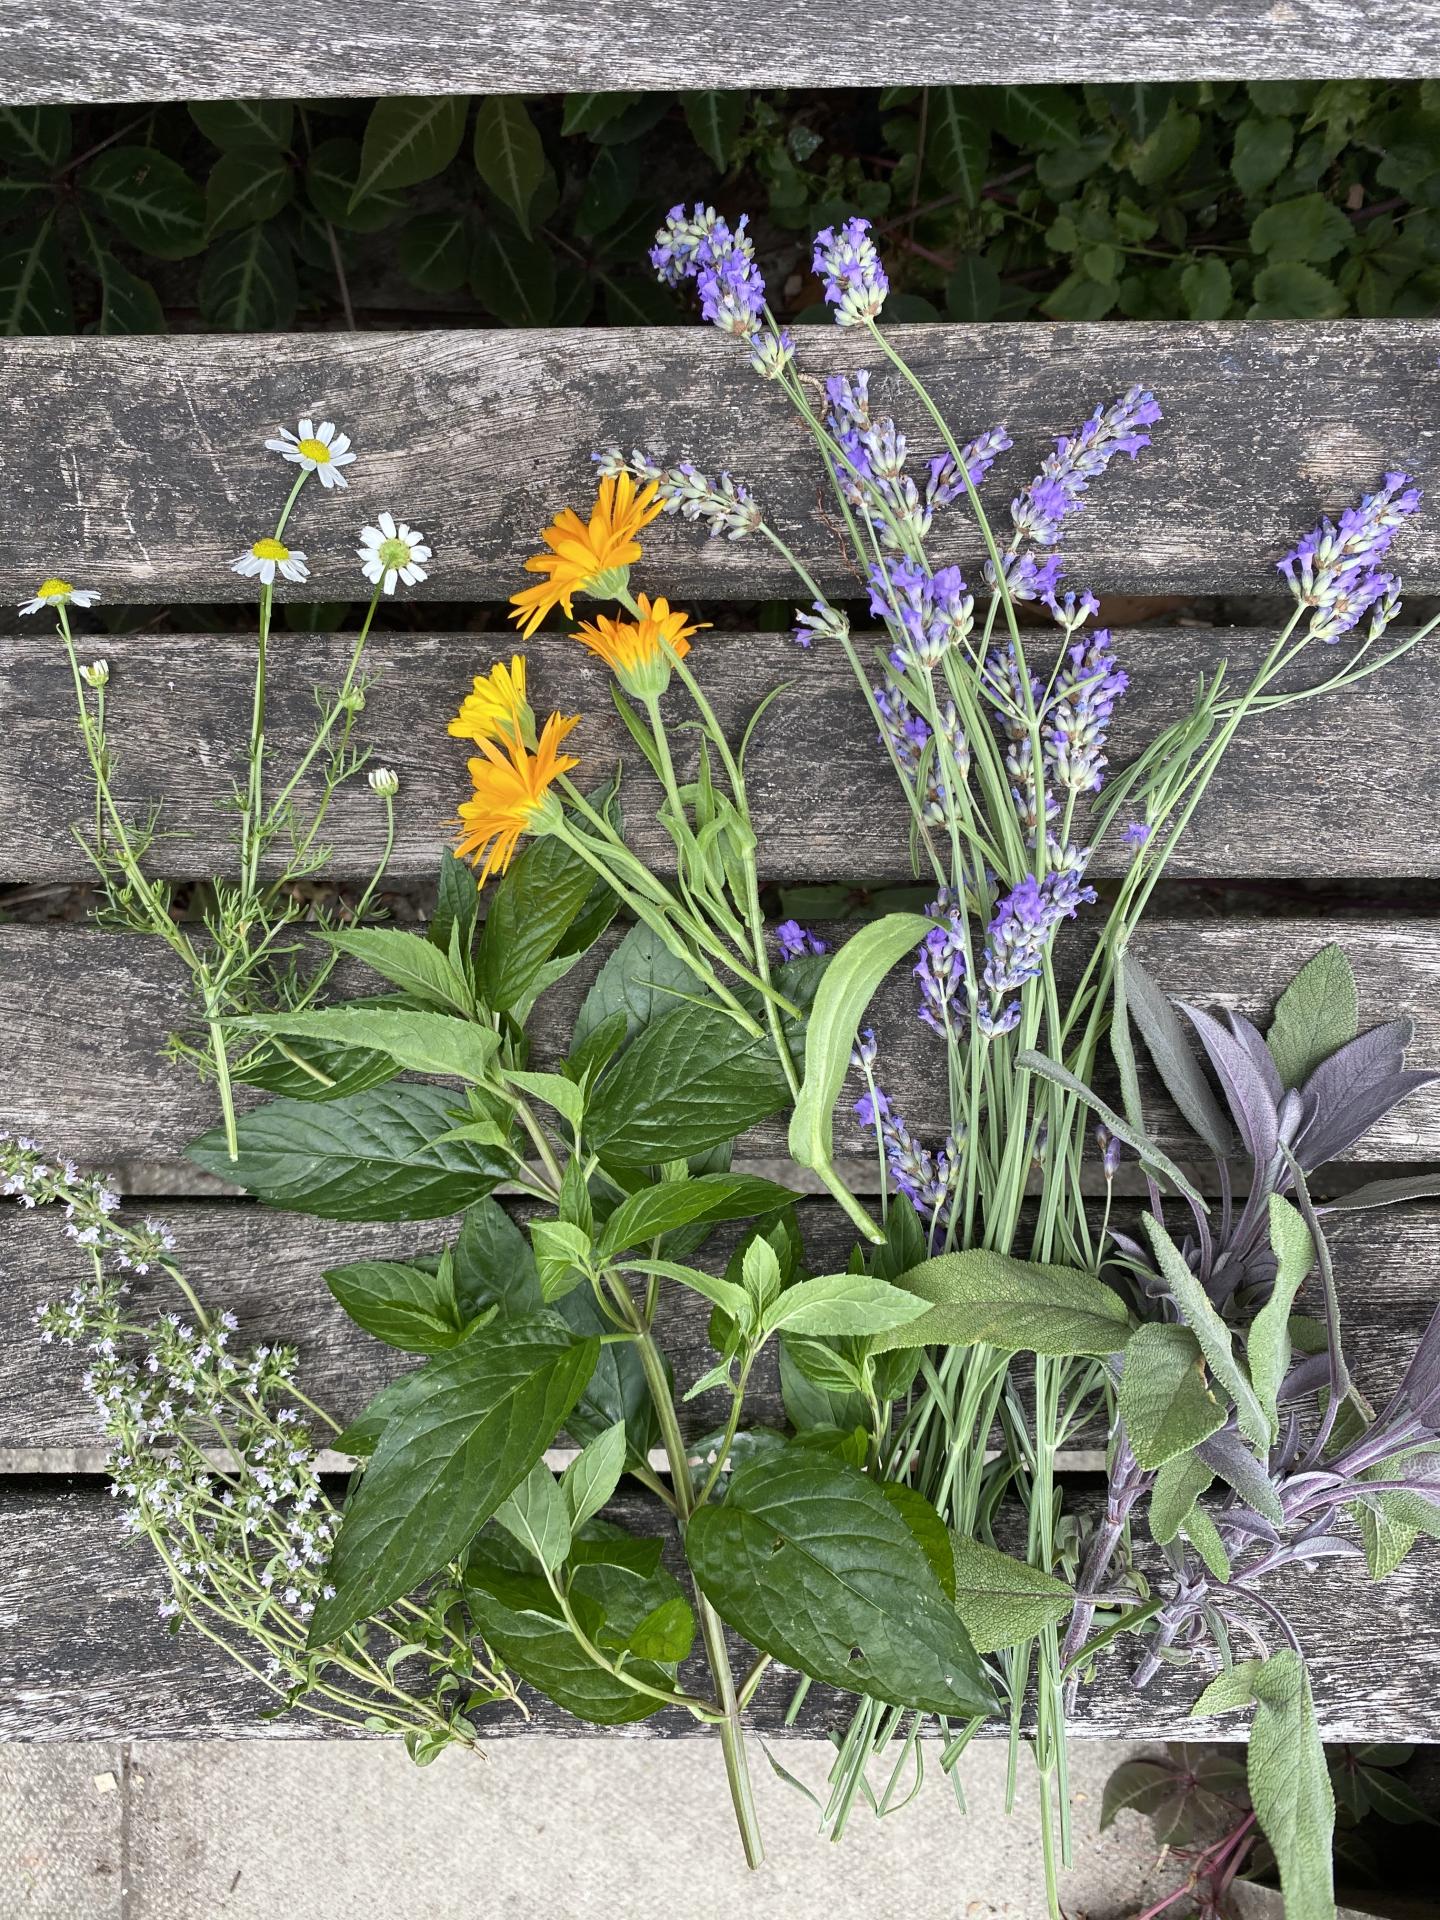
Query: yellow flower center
column 395, row 553
column 268, row 549
column 315, row 450
column 55, row 590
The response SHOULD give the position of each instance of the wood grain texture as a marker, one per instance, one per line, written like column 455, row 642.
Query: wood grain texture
column 138, row 466
column 142, row 50
column 83, row 1655
column 83, row 1015
column 1294, row 794
column 270, row 1275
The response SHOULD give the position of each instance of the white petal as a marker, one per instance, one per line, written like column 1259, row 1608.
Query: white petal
column 278, row 446
column 387, row 525
column 390, row 580
column 326, row 432
column 421, row 552
column 338, row 445
column 327, row 478
column 335, row 478
column 32, row 606
column 307, row 430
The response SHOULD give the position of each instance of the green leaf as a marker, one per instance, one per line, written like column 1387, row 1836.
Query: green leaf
column 810, row 1561
column 1318, row 1013
column 457, row 905
column 493, row 1263
column 720, row 1293
column 847, row 987
column 406, row 1307
column 590, row 112
column 1290, row 1786
column 667, row 1633
column 1017, row 1306
column 1003, row 1601
column 509, row 156
column 1148, row 1153
column 466, row 1435
column 640, row 980
column 715, row 120
column 38, row 138
column 843, row 1303
column 434, row 254
column 327, row 1073
column 958, row 143
column 408, row 961
column 514, row 277
column 929, row 1530
column 330, row 180
column 562, row 1255
column 422, row 1042
column 1292, row 291
column 237, row 126
column 1202, row 1533
column 248, row 284
column 1262, row 147
column 1211, row 1332
column 34, row 292
column 973, row 290
column 1167, row 149
column 676, row 1203
column 521, row 1619
column 1267, row 1343
column 1232, row 1687
column 247, row 187
column 1137, row 1786
column 128, row 304
column 689, row 1082
column 1206, row 290
column 408, row 140
column 370, row 1156
column 362, row 1435
column 535, row 1514
column 610, row 190
column 1164, row 1399
column 1044, row 117
column 528, row 915
column 1178, row 1485
column 1309, row 228
column 591, row 1478
column 149, row 199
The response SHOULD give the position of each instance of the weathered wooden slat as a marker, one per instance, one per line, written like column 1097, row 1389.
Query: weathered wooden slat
column 1332, row 785
column 83, row 1014
column 83, row 1655
column 141, row 50
column 137, row 466
column 268, row 1270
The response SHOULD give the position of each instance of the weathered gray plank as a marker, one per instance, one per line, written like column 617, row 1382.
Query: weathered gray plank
column 83, row 1655
column 1296, row 794
column 268, row 1270
column 137, row 466
column 82, row 1015
column 141, row 50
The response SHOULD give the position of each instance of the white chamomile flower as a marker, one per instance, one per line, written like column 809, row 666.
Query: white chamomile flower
column 392, row 553
column 384, row 781
column 97, row 674
column 317, row 449
column 267, row 558
column 59, row 593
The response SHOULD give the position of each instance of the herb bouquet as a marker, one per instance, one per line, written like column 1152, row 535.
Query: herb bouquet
column 875, row 1549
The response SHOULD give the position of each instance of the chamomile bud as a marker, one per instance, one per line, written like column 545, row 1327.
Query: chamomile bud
column 384, row 781
column 97, row 674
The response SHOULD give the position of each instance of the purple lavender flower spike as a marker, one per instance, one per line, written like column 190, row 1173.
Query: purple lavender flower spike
column 941, row 972
column 728, row 509
column 855, row 282
column 908, row 738
column 1136, row 835
column 1024, row 924
column 823, row 623
column 929, row 612
column 1334, row 570
column 795, row 940
column 928, row 1180
column 731, row 287
column 1078, row 717
column 674, row 255
column 946, row 482
column 1055, row 492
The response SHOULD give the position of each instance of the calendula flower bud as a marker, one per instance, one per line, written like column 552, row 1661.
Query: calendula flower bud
column 384, row 781
column 97, row 674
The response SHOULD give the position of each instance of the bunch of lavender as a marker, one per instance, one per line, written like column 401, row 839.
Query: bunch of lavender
column 1000, row 750
column 248, row 958
column 213, row 1461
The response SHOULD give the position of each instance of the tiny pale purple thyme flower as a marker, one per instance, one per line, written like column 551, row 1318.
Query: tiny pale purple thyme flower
column 795, row 940
column 855, row 281
column 1333, row 569
column 1019, row 935
column 1077, row 718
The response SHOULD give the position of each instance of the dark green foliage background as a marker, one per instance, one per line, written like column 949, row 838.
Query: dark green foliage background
column 1274, row 199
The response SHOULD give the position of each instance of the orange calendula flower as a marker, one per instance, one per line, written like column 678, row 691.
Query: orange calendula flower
column 582, row 554
column 495, row 708
column 639, row 653
column 512, row 795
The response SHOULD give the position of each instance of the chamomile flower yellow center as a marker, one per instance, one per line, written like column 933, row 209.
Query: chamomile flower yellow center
column 268, row 549
column 55, row 590
column 394, row 552
column 315, row 450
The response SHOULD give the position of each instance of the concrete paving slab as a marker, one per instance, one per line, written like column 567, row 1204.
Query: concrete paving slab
column 588, row 1830
column 62, row 1832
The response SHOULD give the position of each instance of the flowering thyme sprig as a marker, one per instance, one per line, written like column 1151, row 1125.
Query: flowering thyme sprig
column 213, row 1457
